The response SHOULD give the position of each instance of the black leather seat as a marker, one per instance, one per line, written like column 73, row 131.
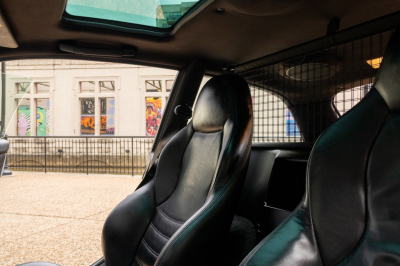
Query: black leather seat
column 176, row 217
column 351, row 210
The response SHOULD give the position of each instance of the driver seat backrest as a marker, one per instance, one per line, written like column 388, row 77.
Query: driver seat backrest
column 350, row 214
column 175, row 217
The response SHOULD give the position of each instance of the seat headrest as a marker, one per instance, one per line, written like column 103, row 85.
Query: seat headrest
column 387, row 80
column 220, row 97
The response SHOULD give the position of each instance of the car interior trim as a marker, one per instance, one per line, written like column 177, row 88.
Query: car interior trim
column 6, row 37
column 375, row 26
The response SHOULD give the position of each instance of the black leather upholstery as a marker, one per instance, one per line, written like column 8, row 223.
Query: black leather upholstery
column 176, row 217
column 351, row 211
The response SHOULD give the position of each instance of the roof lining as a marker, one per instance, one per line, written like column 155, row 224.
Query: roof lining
column 6, row 37
column 357, row 32
column 215, row 37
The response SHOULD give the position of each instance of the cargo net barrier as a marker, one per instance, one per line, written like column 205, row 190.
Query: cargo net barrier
column 296, row 100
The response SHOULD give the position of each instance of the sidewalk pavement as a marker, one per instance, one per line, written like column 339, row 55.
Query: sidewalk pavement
column 57, row 217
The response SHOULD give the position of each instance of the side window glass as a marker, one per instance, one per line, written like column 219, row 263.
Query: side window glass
column 79, row 132
column 272, row 120
column 347, row 99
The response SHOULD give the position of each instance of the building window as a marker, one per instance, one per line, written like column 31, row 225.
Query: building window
column 107, row 119
column 97, row 108
column 42, row 87
column 22, row 87
column 88, row 116
column 24, row 117
column 87, row 86
column 33, row 103
column 157, row 93
column 169, row 84
column 107, row 86
column 153, row 86
column 153, row 115
column 42, row 117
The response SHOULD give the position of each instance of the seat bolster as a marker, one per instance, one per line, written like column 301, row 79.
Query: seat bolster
column 125, row 226
column 291, row 243
column 191, row 243
column 387, row 80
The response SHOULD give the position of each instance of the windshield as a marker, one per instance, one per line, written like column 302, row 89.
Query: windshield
column 154, row 13
column 13, row 91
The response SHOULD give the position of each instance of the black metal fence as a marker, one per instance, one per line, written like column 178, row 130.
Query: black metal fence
column 105, row 155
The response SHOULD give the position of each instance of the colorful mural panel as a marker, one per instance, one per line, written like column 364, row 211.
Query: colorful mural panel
column 87, row 125
column 153, row 115
column 107, row 119
column 24, row 118
column 43, row 117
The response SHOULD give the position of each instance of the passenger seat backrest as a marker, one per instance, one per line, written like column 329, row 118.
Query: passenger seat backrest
column 190, row 200
column 351, row 211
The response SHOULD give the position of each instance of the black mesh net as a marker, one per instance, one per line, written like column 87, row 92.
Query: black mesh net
column 296, row 100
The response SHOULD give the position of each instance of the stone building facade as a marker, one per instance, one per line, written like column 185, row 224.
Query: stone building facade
column 74, row 98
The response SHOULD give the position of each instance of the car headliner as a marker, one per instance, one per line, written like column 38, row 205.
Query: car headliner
column 241, row 33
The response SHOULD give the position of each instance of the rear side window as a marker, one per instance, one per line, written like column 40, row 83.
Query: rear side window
column 297, row 99
column 345, row 100
column 273, row 121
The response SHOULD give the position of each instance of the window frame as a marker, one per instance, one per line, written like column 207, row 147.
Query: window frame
column 32, row 96
column 164, row 94
column 97, row 95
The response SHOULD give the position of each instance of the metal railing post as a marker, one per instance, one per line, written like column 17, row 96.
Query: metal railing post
column 133, row 168
column 87, row 157
column 45, row 155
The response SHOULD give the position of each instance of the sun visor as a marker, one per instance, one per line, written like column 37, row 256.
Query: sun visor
column 6, row 37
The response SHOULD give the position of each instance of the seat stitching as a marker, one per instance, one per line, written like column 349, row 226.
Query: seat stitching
column 161, row 234
column 149, row 248
column 137, row 259
column 220, row 157
column 169, row 218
